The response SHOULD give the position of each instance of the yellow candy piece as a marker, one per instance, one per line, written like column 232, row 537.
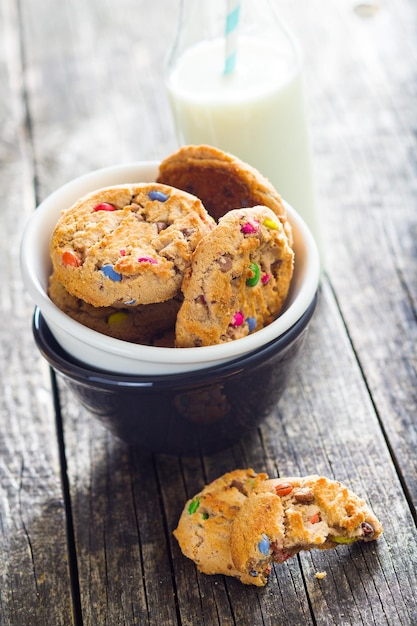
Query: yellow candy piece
column 116, row 318
column 270, row 224
column 345, row 539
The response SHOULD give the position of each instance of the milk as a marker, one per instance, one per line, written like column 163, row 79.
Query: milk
column 257, row 113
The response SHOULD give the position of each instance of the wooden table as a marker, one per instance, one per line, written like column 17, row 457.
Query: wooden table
column 86, row 522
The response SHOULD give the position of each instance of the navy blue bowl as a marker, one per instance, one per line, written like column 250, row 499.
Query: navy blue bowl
column 190, row 413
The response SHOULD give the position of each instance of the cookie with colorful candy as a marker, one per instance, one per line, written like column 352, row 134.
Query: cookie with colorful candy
column 288, row 515
column 203, row 531
column 243, row 522
column 128, row 245
column 238, row 279
column 148, row 324
column 221, row 181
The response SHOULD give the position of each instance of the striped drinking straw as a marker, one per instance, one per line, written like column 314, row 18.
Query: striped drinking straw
column 232, row 23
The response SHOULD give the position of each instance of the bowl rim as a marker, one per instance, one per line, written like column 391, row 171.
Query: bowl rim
column 156, row 354
column 72, row 368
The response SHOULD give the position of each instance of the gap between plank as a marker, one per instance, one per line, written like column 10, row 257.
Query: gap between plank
column 72, row 553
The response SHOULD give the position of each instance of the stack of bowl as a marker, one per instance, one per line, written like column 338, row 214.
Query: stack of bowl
column 173, row 400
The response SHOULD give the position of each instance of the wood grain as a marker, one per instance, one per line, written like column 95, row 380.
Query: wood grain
column 86, row 526
column 34, row 571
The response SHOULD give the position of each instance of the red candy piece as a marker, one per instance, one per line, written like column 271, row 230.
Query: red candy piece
column 238, row 319
column 249, row 228
column 70, row 258
column 265, row 278
column 104, row 206
column 147, row 259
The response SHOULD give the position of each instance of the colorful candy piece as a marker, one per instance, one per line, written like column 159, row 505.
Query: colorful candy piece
column 147, row 259
column 130, row 302
column 265, row 278
column 264, row 545
column 271, row 224
column 251, row 322
column 117, row 317
column 158, row 195
column 283, row 489
column 111, row 273
column 193, row 506
column 70, row 258
column 104, row 206
column 346, row 540
column 238, row 319
column 249, row 228
column 255, row 275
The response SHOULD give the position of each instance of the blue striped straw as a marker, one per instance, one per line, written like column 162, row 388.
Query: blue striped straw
column 232, row 22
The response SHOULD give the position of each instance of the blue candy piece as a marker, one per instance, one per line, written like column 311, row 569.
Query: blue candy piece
column 132, row 301
column 251, row 321
column 263, row 545
column 158, row 195
column 111, row 273
column 253, row 573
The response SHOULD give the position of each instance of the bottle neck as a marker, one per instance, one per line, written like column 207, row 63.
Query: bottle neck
column 202, row 20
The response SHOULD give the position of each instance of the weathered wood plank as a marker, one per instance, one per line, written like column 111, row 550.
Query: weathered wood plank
column 383, row 288
column 123, row 560
column 360, row 66
column 95, row 85
column 34, row 575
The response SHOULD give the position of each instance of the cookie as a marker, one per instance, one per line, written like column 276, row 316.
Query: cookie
column 287, row 515
column 239, row 279
column 203, row 531
column 243, row 522
column 128, row 244
column 148, row 324
column 221, row 181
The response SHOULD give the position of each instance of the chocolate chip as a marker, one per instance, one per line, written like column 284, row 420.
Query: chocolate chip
column 161, row 226
column 304, row 496
column 238, row 484
column 187, row 232
column 225, row 262
column 275, row 266
column 367, row 530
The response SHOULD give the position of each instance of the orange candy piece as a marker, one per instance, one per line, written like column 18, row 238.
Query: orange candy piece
column 70, row 258
column 283, row 489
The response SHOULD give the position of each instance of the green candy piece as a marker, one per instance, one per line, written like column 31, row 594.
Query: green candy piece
column 253, row 280
column 345, row 539
column 193, row 506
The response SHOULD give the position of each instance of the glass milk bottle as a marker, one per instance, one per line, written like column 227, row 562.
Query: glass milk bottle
column 235, row 81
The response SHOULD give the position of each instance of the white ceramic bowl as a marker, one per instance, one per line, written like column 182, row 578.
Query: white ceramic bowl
column 113, row 355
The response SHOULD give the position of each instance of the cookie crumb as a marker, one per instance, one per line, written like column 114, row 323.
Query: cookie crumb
column 320, row 575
